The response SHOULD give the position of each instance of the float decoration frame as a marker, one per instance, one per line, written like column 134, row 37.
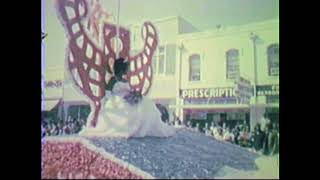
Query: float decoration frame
column 84, row 57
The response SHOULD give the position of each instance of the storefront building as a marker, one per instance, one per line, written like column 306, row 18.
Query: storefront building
column 211, row 64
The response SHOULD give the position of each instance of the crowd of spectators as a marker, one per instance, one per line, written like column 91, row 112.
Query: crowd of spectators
column 263, row 139
column 60, row 127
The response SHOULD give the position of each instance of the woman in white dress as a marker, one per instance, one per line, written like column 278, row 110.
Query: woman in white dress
column 124, row 118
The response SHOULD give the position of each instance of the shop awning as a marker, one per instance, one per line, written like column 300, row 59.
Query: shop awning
column 273, row 105
column 48, row 105
column 215, row 108
column 211, row 106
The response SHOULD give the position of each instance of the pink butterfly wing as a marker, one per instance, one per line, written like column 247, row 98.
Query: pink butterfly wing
column 140, row 75
column 86, row 63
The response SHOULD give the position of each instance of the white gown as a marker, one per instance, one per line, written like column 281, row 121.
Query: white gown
column 117, row 118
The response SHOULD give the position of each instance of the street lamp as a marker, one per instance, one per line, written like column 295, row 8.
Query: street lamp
column 179, row 102
column 254, row 37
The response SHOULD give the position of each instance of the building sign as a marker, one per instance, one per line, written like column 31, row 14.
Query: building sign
column 207, row 93
column 53, row 84
column 267, row 90
column 229, row 100
column 244, row 90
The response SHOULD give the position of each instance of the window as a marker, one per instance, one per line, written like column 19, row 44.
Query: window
column 233, row 70
column 161, row 59
column 158, row 61
column 194, row 70
column 154, row 63
column 272, row 99
column 273, row 60
column 198, row 115
column 163, row 62
column 170, row 59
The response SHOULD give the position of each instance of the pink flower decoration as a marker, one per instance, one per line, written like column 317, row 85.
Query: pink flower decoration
column 74, row 160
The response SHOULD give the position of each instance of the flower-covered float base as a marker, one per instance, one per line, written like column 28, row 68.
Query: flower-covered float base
column 187, row 154
column 76, row 158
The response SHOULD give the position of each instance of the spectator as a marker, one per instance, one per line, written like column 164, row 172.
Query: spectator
column 174, row 116
column 245, row 125
column 257, row 137
column 228, row 136
column 236, row 133
column 48, row 132
column 53, row 130
column 43, row 132
column 274, row 144
column 83, row 123
column 188, row 124
column 224, row 126
column 60, row 128
column 197, row 127
column 70, row 126
column 264, row 121
column 244, row 137
column 164, row 112
column 178, row 122
column 266, row 139
column 218, row 133
column 69, row 119
column 66, row 129
column 215, row 131
column 212, row 129
column 207, row 130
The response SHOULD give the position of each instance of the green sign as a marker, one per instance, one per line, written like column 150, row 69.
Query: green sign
column 267, row 90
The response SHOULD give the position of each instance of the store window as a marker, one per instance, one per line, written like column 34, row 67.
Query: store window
column 233, row 69
column 272, row 99
column 236, row 116
column 273, row 114
column 273, row 60
column 194, row 70
column 79, row 111
column 198, row 115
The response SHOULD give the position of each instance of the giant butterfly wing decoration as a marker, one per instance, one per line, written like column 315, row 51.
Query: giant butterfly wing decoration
column 88, row 63
column 140, row 74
